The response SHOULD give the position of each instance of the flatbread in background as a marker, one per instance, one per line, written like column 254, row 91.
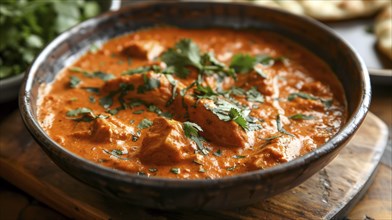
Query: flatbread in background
column 325, row 9
column 383, row 31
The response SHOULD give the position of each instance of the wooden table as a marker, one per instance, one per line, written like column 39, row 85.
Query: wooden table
column 376, row 204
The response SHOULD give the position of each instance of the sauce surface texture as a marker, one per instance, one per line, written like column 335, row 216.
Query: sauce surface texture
column 182, row 103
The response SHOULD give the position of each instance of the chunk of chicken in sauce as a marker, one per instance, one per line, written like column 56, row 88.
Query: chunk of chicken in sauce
column 165, row 144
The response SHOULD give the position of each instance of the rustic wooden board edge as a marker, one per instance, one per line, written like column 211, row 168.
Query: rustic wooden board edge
column 381, row 142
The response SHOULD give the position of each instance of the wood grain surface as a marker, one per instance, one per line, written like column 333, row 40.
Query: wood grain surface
column 328, row 194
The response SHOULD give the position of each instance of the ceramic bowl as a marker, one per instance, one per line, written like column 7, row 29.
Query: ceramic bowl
column 234, row 191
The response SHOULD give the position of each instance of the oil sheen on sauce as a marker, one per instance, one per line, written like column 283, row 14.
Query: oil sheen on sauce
column 186, row 103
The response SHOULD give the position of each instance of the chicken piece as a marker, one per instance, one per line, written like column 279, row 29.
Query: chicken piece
column 143, row 49
column 265, row 85
column 151, row 87
column 105, row 130
column 224, row 133
column 166, row 144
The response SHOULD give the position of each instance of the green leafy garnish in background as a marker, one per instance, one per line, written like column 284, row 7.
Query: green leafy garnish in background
column 27, row 25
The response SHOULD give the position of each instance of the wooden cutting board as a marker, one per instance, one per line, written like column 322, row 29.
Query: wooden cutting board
column 330, row 193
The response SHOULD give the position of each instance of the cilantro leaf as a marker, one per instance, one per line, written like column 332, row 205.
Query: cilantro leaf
column 185, row 53
column 292, row 96
column 78, row 111
column 74, row 81
column 238, row 118
column 301, row 117
column 191, row 131
column 242, row 63
column 145, row 123
column 252, row 95
column 280, row 127
column 142, row 69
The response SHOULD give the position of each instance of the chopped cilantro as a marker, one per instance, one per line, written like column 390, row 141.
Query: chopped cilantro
column 149, row 84
column 218, row 153
column 153, row 170
column 191, row 131
column 301, row 117
column 74, row 81
column 242, row 63
column 204, row 91
column 238, row 118
column 185, row 53
column 145, row 123
column 106, row 101
column 292, row 96
column 175, row 170
column 173, row 82
column 97, row 74
column 138, row 112
column 91, row 89
column 252, row 95
column 280, row 127
column 142, row 69
column 231, row 168
column 91, row 99
column 78, row 111
column 115, row 153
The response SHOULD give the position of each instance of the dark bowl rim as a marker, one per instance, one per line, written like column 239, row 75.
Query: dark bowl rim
column 344, row 134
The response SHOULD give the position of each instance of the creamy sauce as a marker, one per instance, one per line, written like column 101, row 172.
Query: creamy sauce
column 139, row 121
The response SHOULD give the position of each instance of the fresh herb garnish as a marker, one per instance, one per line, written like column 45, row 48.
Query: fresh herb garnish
column 239, row 156
column 142, row 69
column 116, row 153
column 204, row 91
column 145, row 123
column 97, row 74
column 138, row 112
column 238, row 118
column 218, row 153
column 201, row 170
column 185, row 53
column 78, row 111
column 91, row 99
column 280, row 127
column 231, row 168
column 74, row 81
column 252, row 95
column 153, row 170
column 91, row 89
column 173, row 82
column 327, row 103
column 191, row 131
column 242, row 63
column 301, row 117
column 175, row 170
column 237, row 91
column 149, row 84
column 158, row 111
column 107, row 101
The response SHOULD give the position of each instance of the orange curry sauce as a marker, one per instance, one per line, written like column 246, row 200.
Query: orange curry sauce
column 182, row 103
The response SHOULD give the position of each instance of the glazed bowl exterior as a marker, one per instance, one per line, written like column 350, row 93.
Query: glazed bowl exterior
column 234, row 191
